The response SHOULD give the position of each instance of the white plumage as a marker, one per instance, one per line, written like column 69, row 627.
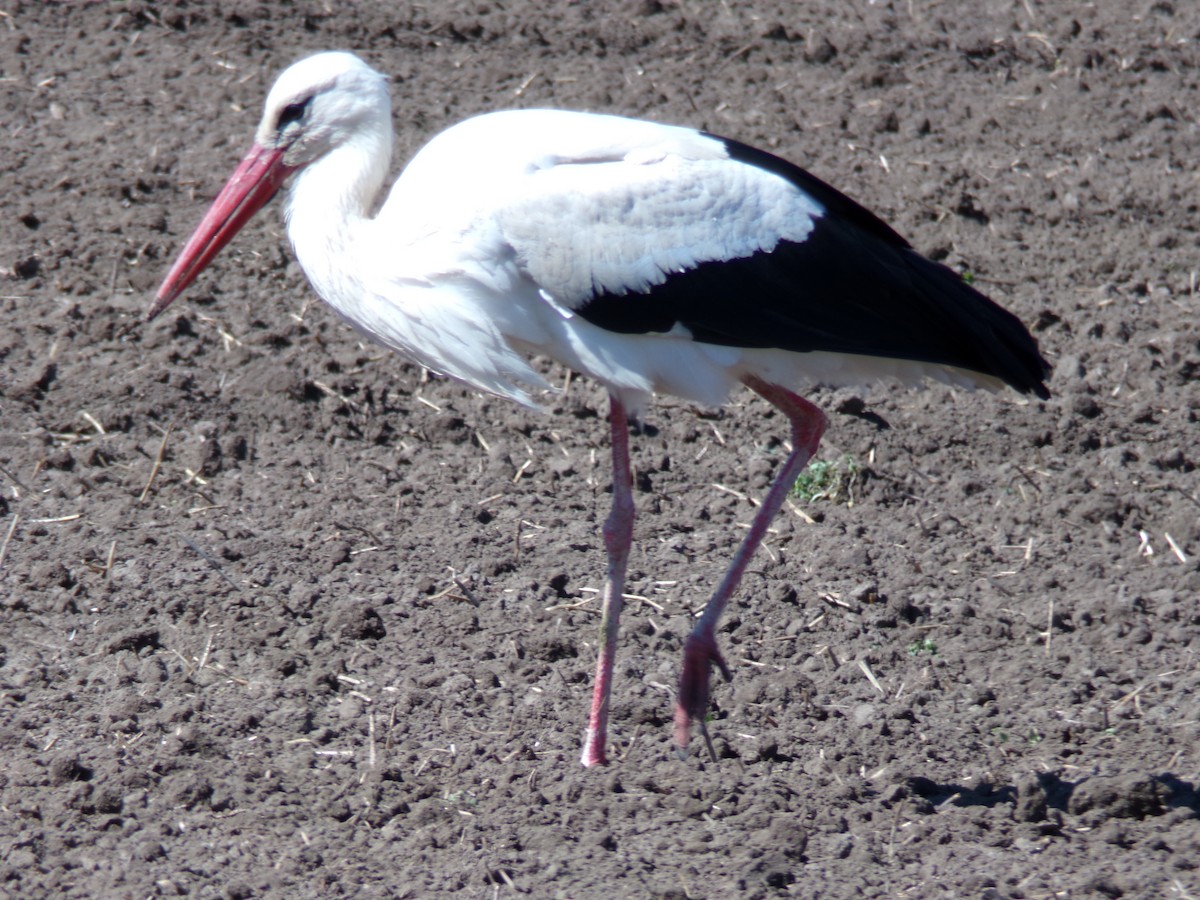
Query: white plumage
column 649, row 257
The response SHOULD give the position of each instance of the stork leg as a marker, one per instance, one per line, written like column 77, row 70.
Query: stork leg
column 618, row 534
column 700, row 651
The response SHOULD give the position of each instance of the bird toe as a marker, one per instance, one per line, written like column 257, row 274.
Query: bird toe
column 700, row 654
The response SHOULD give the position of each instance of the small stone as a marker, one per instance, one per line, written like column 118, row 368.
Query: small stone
column 864, row 714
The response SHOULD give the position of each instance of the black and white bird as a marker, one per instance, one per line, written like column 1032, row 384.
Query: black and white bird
column 651, row 258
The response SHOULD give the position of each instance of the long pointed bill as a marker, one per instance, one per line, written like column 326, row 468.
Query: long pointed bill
column 255, row 181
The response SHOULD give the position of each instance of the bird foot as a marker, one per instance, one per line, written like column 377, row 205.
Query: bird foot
column 593, row 750
column 700, row 654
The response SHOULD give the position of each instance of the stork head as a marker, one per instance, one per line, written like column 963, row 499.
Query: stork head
column 320, row 103
column 317, row 105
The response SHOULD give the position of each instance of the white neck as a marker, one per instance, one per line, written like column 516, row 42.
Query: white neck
column 329, row 202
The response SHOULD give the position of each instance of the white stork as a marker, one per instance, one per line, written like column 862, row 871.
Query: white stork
column 649, row 257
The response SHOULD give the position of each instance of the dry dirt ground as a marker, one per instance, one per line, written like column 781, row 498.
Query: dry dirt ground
column 283, row 616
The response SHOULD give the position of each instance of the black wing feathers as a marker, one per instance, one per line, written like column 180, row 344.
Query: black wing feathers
column 853, row 286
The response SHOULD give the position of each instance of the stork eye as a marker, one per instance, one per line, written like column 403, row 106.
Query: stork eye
column 293, row 112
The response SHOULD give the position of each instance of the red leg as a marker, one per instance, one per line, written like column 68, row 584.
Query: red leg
column 700, row 652
column 618, row 534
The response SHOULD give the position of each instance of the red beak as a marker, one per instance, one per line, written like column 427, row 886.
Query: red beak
column 254, row 182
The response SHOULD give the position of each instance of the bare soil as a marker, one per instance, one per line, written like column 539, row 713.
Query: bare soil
column 283, row 616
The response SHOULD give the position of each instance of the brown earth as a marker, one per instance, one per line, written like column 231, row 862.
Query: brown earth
column 339, row 642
